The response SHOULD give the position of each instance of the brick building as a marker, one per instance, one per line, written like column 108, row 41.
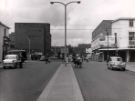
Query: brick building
column 33, row 37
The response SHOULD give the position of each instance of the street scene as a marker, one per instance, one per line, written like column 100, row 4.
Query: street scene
column 25, row 84
column 67, row 50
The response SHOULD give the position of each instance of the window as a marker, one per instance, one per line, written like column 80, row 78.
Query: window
column 131, row 23
column 132, row 39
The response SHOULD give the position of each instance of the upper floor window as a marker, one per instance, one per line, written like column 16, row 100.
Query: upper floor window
column 132, row 39
column 131, row 23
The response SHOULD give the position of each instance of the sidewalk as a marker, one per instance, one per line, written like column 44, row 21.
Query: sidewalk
column 130, row 66
column 62, row 87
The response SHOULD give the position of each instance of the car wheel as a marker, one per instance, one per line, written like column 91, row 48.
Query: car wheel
column 112, row 68
column 109, row 67
column 123, row 69
column 20, row 65
column 15, row 66
column 4, row 67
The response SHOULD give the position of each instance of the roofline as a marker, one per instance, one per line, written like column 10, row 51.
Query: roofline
column 4, row 25
column 123, row 19
column 101, row 23
column 31, row 23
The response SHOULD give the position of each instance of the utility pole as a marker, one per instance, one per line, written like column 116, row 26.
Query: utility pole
column 107, row 45
column 65, row 18
column 116, row 53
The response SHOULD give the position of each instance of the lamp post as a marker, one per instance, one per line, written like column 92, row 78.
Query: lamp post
column 29, row 42
column 107, row 45
column 65, row 7
column 116, row 44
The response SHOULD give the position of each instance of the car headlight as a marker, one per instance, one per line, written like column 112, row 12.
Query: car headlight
column 123, row 64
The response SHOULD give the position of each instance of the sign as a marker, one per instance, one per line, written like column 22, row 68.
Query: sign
column 64, row 50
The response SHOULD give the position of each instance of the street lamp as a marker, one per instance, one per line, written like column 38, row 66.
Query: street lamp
column 107, row 45
column 116, row 44
column 29, row 41
column 65, row 6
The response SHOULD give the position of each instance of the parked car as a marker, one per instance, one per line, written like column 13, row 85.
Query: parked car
column 12, row 60
column 36, row 55
column 21, row 53
column 116, row 62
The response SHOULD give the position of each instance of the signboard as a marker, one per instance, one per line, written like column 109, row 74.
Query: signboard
column 105, row 41
column 64, row 50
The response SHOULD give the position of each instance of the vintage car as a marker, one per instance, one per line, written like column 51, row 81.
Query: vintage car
column 12, row 60
column 116, row 62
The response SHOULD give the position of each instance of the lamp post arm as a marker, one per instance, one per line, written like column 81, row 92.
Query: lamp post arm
column 72, row 2
column 65, row 4
column 59, row 3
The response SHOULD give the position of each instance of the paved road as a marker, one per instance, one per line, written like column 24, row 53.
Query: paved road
column 100, row 84
column 25, row 84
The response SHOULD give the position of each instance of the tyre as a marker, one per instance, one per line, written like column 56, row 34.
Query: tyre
column 15, row 66
column 123, row 69
column 20, row 65
column 108, row 66
column 4, row 67
column 112, row 68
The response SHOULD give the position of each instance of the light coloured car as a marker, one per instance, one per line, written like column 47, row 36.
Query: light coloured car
column 116, row 62
column 12, row 60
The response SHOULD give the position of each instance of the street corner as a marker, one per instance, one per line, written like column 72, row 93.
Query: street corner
column 130, row 66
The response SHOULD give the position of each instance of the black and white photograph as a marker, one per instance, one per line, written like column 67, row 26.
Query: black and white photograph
column 67, row 50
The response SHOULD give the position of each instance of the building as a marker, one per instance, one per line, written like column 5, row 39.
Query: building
column 56, row 50
column 33, row 37
column 12, row 40
column 4, row 30
column 116, row 39
column 99, row 40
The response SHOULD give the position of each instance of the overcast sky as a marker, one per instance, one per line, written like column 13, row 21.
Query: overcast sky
column 85, row 16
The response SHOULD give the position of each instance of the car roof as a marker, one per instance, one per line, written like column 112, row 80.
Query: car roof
column 11, row 55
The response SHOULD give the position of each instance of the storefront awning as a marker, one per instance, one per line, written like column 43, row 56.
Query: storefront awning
column 105, row 49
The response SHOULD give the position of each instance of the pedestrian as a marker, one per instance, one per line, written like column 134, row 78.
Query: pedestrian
column 66, row 60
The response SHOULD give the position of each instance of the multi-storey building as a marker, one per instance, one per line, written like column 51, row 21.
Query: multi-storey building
column 3, row 36
column 116, row 39
column 12, row 40
column 33, row 37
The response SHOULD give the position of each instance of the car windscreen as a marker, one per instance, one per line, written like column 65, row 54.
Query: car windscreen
column 10, row 57
column 116, row 59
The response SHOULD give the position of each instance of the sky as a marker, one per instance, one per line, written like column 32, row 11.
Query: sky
column 82, row 18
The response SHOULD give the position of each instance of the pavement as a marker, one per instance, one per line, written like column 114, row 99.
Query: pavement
column 62, row 87
column 130, row 66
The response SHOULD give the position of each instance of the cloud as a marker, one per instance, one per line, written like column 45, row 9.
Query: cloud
column 85, row 16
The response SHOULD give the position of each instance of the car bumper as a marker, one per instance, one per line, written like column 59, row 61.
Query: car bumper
column 118, row 67
column 8, row 64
